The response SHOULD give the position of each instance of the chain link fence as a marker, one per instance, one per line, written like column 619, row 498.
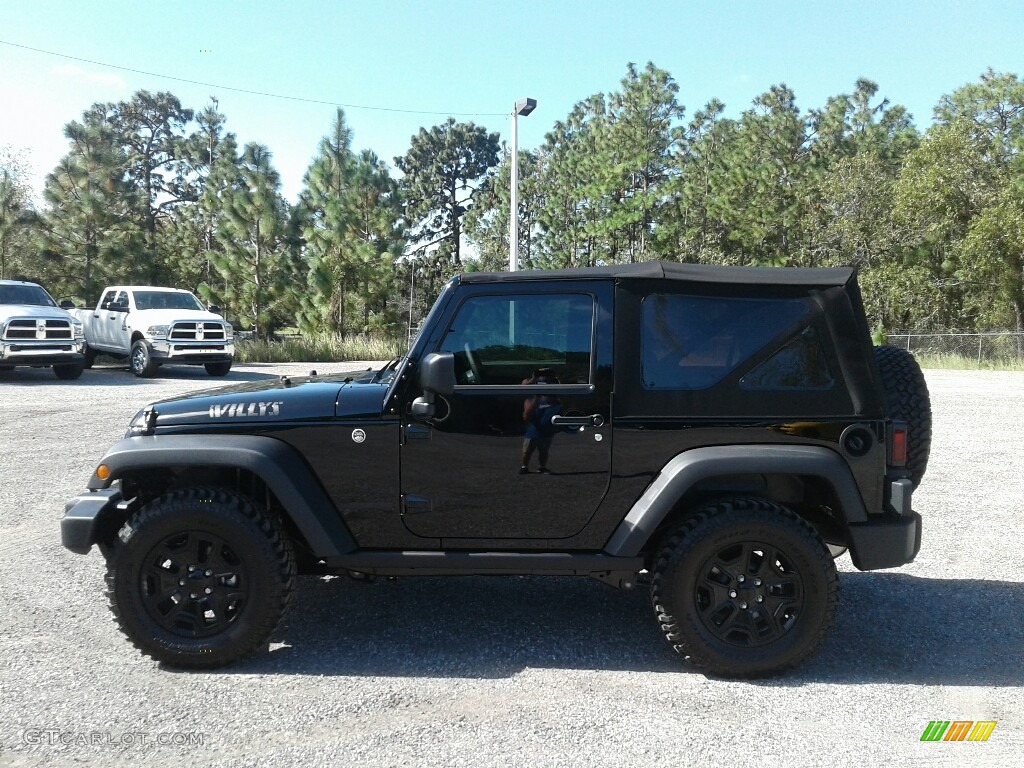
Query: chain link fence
column 995, row 346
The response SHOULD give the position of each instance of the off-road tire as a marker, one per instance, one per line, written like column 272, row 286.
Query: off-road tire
column 804, row 594
column 90, row 357
column 251, row 578
column 907, row 400
column 218, row 369
column 140, row 360
column 68, row 371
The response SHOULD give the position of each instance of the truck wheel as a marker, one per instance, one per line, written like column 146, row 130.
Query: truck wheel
column 744, row 588
column 90, row 356
column 218, row 369
column 68, row 372
column 142, row 363
column 200, row 578
column 907, row 399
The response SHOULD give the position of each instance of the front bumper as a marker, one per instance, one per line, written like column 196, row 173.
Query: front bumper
column 192, row 352
column 91, row 517
column 42, row 352
column 891, row 539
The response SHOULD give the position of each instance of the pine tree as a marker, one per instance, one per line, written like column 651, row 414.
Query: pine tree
column 253, row 235
column 89, row 235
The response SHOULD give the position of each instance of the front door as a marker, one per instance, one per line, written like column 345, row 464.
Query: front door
column 522, row 448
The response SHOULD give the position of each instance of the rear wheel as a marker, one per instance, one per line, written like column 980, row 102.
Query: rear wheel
column 744, row 588
column 200, row 578
column 907, row 400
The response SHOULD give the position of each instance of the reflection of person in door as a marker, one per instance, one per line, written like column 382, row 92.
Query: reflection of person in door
column 537, row 413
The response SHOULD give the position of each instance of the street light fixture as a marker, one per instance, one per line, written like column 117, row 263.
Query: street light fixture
column 523, row 107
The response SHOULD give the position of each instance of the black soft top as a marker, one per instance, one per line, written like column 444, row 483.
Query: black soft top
column 667, row 270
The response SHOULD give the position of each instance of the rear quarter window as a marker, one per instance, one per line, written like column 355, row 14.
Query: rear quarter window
column 693, row 342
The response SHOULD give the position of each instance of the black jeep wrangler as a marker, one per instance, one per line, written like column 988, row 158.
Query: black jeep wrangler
column 720, row 434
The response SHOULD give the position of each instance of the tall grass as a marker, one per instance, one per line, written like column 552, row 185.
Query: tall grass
column 948, row 361
column 319, row 348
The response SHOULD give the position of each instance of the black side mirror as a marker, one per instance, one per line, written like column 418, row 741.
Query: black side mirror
column 118, row 306
column 215, row 309
column 67, row 304
column 437, row 373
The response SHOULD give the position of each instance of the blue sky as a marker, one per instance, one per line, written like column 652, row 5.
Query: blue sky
column 474, row 57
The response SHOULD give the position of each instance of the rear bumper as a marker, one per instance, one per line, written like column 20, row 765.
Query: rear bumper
column 887, row 542
column 89, row 518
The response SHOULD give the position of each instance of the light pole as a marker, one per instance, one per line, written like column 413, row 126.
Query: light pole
column 523, row 107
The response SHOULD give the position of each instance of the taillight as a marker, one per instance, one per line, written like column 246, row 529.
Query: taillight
column 898, row 445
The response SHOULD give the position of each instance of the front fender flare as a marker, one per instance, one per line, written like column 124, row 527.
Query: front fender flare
column 273, row 461
column 690, row 467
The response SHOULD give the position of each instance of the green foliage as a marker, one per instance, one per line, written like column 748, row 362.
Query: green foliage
column 17, row 216
column 442, row 170
column 88, row 234
column 252, row 234
column 152, row 191
column 350, row 220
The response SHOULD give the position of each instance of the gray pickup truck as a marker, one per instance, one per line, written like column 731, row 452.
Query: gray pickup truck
column 35, row 331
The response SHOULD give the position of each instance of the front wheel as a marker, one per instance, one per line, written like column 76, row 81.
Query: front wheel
column 90, row 356
column 200, row 578
column 68, row 372
column 218, row 369
column 141, row 361
column 744, row 588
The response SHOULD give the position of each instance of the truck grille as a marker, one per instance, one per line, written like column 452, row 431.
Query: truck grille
column 30, row 329
column 197, row 332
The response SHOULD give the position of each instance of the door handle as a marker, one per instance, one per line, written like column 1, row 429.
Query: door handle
column 593, row 420
column 416, row 432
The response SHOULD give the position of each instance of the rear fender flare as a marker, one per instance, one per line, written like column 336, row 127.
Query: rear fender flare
column 685, row 470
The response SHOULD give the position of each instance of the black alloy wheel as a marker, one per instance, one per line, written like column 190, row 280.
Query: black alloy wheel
column 744, row 587
column 199, row 578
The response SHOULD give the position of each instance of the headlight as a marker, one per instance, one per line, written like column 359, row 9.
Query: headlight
column 79, row 329
column 229, row 331
column 157, row 331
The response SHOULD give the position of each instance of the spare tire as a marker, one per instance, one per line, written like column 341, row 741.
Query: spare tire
column 907, row 400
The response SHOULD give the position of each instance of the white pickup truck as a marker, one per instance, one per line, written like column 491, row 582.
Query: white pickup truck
column 155, row 326
column 35, row 331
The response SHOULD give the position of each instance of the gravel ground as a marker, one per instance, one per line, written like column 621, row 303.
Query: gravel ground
column 508, row 671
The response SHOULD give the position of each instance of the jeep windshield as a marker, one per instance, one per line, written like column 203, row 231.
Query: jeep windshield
column 31, row 295
column 167, row 300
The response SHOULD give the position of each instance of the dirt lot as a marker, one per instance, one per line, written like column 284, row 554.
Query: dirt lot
column 509, row 671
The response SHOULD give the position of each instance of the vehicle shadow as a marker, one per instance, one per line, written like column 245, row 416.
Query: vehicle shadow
column 891, row 628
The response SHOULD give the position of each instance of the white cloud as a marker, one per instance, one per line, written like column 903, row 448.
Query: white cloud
column 76, row 73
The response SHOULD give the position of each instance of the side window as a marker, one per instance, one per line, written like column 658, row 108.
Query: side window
column 693, row 342
column 505, row 340
column 122, row 298
column 107, row 298
column 800, row 364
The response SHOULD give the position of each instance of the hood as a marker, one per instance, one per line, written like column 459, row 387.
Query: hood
column 168, row 316
column 350, row 394
column 33, row 310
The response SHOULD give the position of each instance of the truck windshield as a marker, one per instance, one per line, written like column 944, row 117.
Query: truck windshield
column 32, row 295
column 166, row 300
